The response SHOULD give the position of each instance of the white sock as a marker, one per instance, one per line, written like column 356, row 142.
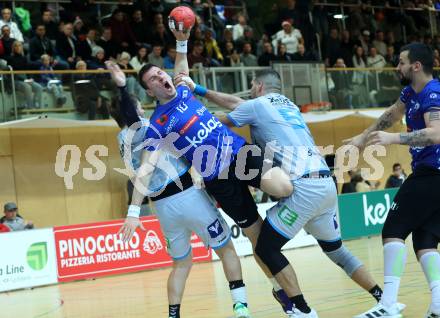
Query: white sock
column 275, row 284
column 431, row 267
column 239, row 295
column 394, row 263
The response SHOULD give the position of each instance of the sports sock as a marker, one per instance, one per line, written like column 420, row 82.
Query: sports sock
column 376, row 292
column 174, row 311
column 395, row 259
column 238, row 292
column 431, row 267
column 300, row 303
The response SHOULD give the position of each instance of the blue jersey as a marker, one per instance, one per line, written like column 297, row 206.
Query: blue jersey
column 417, row 104
column 193, row 133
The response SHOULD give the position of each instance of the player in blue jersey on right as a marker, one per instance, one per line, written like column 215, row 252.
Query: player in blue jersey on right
column 416, row 207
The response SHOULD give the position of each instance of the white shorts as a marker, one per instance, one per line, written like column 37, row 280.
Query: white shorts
column 186, row 212
column 312, row 206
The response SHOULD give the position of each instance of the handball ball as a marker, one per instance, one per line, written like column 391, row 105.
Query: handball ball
column 182, row 16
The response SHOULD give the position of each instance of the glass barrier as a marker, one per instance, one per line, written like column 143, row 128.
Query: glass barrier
column 88, row 94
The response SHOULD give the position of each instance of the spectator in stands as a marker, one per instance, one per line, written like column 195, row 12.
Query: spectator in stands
column 32, row 91
column 86, row 96
column 79, row 29
column 227, row 37
column 290, row 12
column 332, row 47
column 133, row 86
column 375, row 60
column 139, row 28
column 260, row 45
column 267, row 56
column 170, row 58
column 97, row 62
column 379, row 43
column 67, row 46
column 40, row 44
column 303, row 55
column 288, row 36
column 347, row 48
column 155, row 57
column 140, row 59
column 111, row 47
column 85, row 46
column 282, row 53
column 359, row 78
column 213, row 51
column 51, row 27
column 364, row 39
column 162, row 36
column 248, row 36
column 232, row 58
column 395, row 180
column 391, row 58
column 360, row 184
column 196, row 55
column 51, row 81
column 246, row 57
column 435, row 72
column 13, row 220
column 343, row 85
column 7, row 40
column 121, row 30
column 6, row 20
column 238, row 29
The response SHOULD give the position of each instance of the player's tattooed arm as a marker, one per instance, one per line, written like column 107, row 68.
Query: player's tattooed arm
column 388, row 118
column 424, row 137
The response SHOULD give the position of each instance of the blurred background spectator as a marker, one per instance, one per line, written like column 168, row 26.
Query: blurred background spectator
column 13, row 220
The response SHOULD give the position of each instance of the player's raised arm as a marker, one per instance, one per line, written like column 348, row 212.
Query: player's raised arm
column 180, row 22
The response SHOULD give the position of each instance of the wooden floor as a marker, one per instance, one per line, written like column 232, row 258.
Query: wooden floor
column 325, row 286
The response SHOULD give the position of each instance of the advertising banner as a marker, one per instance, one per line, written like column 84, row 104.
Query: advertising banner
column 27, row 259
column 94, row 250
column 363, row 214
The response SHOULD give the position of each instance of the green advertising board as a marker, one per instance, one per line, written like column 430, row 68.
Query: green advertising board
column 363, row 214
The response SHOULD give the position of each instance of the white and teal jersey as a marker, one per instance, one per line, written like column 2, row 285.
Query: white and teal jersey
column 168, row 167
column 279, row 129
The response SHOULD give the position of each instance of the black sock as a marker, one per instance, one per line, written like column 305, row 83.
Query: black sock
column 236, row 284
column 174, row 311
column 300, row 303
column 376, row 292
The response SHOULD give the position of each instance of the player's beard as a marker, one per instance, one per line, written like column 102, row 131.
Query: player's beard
column 406, row 80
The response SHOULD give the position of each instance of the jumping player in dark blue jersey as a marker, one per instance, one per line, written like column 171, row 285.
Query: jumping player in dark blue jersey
column 182, row 125
column 416, row 207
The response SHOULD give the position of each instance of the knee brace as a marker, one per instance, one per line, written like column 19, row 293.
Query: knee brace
column 268, row 249
column 271, row 256
column 424, row 240
column 341, row 256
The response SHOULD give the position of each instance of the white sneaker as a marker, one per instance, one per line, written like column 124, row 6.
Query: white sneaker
column 299, row 314
column 380, row 310
column 430, row 314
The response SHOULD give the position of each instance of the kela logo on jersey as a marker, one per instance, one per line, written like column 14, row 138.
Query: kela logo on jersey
column 215, row 229
column 162, row 120
column 204, row 132
column 152, row 243
column 376, row 213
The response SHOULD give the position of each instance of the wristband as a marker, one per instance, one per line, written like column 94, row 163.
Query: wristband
column 182, row 46
column 134, row 211
column 200, row 90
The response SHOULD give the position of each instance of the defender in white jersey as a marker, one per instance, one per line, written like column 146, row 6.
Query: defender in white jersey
column 278, row 127
column 180, row 210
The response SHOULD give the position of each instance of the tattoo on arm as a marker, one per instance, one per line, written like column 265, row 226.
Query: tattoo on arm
column 416, row 139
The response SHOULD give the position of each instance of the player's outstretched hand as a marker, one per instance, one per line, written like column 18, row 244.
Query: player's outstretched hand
column 116, row 73
column 358, row 141
column 381, row 138
column 179, row 32
column 129, row 227
column 184, row 79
